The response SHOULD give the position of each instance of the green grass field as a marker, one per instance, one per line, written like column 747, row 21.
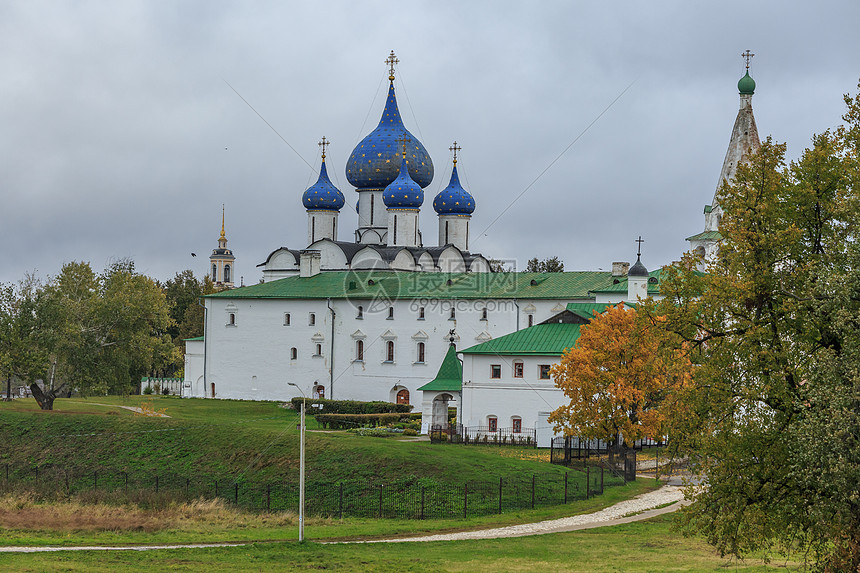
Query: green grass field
column 260, row 441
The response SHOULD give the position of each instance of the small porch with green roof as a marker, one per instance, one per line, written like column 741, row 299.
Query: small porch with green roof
column 445, row 387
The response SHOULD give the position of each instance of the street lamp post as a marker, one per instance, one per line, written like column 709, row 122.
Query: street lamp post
column 301, row 466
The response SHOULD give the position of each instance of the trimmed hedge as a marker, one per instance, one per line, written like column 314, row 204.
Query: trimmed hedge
column 323, row 406
column 348, row 421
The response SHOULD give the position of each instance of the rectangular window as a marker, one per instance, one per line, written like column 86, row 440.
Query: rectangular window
column 389, row 351
column 492, row 423
column 286, row 319
column 421, row 313
column 390, row 313
column 484, row 314
column 318, row 350
column 518, row 369
column 312, row 319
column 531, row 320
column 543, row 371
column 495, row 371
column 420, row 352
column 518, row 425
column 359, row 350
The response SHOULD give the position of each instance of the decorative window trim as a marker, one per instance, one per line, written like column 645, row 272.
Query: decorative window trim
column 388, row 335
column 420, row 352
column 359, row 350
column 318, row 337
column 390, row 352
column 420, row 335
column 358, row 335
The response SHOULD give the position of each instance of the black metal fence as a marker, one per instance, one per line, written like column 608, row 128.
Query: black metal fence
column 406, row 498
column 621, row 461
column 459, row 434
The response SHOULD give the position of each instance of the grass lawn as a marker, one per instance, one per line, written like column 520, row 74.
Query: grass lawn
column 636, row 547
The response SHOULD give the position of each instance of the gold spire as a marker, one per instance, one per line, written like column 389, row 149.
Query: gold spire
column 455, row 148
column 391, row 60
column 222, row 237
column 323, row 144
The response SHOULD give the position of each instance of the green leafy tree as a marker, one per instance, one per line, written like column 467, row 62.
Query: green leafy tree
column 183, row 294
column 22, row 353
column 772, row 419
column 550, row 265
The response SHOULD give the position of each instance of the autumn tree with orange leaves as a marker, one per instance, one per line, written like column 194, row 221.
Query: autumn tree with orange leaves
column 622, row 378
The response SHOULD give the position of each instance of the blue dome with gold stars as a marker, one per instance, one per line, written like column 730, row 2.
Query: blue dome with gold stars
column 374, row 162
column 453, row 199
column 403, row 192
column 322, row 194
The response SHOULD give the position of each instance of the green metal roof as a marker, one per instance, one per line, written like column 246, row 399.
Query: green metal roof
column 588, row 310
column 706, row 236
column 541, row 340
column 450, row 376
column 621, row 286
column 406, row 285
column 193, row 339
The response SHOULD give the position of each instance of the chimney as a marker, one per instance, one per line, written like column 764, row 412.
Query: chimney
column 309, row 263
column 619, row 269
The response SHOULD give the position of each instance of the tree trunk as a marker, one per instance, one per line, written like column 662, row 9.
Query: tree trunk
column 9, row 389
column 45, row 399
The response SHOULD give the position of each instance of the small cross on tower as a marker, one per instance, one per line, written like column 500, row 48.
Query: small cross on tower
column 640, row 240
column 455, row 148
column 403, row 140
column 323, row 144
column 391, row 60
column 746, row 56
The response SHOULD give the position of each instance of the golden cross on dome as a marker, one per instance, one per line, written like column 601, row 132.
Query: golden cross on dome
column 403, row 140
column 640, row 240
column 455, row 148
column 746, row 56
column 323, row 144
column 391, row 60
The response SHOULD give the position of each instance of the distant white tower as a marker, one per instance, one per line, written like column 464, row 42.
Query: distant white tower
column 222, row 260
column 743, row 143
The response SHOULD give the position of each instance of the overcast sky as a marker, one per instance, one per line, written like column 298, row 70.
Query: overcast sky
column 120, row 136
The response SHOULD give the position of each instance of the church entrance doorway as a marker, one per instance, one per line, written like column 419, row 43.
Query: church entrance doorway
column 439, row 415
column 213, row 389
column 403, row 396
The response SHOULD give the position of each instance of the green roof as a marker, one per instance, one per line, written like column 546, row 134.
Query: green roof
column 450, row 376
column 405, row 285
column 541, row 340
column 621, row 285
column 706, row 236
column 194, row 339
column 587, row 310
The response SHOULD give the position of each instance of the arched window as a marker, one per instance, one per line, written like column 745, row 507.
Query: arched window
column 359, row 350
column 319, row 350
column 517, row 424
column 531, row 320
column 453, row 313
column 226, row 273
column 312, row 319
column 492, row 423
column 286, row 319
column 420, row 352
column 214, row 272
column 294, row 353
column 421, row 313
column 389, row 351
column 360, row 314
column 232, row 319
column 403, row 396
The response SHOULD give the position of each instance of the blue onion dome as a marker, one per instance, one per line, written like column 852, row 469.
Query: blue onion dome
column 374, row 162
column 453, row 199
column 322, row 194
column 403, row 192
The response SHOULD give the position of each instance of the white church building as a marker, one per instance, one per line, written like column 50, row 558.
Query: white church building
column 372, row 318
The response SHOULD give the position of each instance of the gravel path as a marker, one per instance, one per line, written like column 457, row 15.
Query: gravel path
column 640, row 507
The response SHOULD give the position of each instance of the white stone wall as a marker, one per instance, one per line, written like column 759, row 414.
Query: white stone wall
column 192, row 384
column 454, row 230
column 251, row 359
column 403, row 228
column 322, row 224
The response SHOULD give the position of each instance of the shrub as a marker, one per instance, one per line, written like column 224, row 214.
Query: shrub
column 410, row 432
column 147, row 390
column 324, row 406
column 350, row 421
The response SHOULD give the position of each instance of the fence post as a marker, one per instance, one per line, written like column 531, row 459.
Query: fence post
column 565, row 487
column 380, row 501
column 422, row 502
column 587, row 480
column 465, row 498
column 533, row 491
column 601, row 479
column 340, row 501
column 236, row 493
column 500, row 494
